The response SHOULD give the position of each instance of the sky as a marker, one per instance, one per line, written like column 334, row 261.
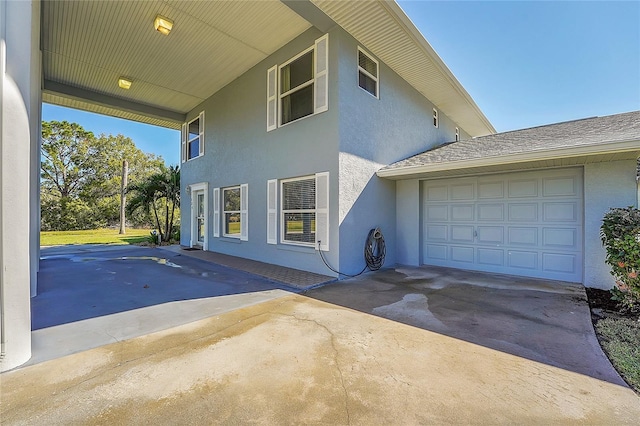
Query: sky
column 525, row 64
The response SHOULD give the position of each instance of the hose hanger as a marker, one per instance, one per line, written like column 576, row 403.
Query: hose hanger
column 374, row 253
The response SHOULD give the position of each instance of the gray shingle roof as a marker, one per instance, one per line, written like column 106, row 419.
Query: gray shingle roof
column 570, row 134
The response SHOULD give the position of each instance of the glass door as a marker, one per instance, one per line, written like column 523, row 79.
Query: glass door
column 200, row 217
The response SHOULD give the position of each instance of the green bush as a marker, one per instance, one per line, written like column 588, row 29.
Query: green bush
column 620, row 234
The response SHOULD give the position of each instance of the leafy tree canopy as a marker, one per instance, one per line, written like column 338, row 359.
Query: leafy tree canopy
column 81, row 176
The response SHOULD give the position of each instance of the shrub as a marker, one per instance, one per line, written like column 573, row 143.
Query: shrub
column 620, row 234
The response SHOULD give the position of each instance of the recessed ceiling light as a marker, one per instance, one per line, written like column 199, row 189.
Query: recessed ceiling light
column 124, row 83
column 163, row 24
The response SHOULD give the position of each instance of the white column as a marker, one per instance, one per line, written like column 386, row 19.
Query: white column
column 19, row 169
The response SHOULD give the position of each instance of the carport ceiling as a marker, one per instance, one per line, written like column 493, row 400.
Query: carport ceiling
column 88, row 45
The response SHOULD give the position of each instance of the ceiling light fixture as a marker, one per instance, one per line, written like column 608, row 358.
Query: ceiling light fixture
column 163, row 24
column 124, row 83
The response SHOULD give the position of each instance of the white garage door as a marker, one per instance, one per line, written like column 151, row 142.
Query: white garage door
column 525, row 223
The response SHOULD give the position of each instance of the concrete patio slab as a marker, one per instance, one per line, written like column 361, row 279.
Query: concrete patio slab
column 297, row 360
column 203, row 343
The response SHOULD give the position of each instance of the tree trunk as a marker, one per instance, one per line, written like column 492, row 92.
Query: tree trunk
column 155, row 212
column 123, row 197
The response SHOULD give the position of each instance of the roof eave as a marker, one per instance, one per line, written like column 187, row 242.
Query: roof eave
column 409, row 172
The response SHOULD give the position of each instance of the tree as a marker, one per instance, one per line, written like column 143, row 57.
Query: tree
column 155, row 193
column 81, row 176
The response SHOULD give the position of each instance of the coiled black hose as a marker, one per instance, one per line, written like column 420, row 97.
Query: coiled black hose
column 374, row 252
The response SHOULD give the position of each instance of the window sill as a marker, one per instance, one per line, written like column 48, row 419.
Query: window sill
column 299, row 119
column 296, row 248
column 231, row 240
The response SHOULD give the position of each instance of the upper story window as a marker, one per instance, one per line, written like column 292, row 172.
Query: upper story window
column 299, row 87
column 193, row 138
column 367, row 73
column 296, row 88
column 435, row 118
column 457, row 134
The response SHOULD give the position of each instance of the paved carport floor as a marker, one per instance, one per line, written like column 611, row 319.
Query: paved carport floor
column 300, row 360
column 399, row 346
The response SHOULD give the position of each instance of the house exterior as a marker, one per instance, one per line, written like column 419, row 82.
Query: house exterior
column 277, row 188
column 304, row 124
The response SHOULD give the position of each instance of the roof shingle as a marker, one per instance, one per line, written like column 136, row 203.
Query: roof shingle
column 570, row 134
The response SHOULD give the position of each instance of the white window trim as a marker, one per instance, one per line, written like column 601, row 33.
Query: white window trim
column 282, row 212
column 436, row 121
column 195, row 188
column 186, row 141
column 321, row 211
column 224, row 212
column 318, row 75
column 457, row 134
column 297, row 88
column 368, row 74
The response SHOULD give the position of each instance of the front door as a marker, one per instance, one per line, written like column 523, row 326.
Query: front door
column 200, row 217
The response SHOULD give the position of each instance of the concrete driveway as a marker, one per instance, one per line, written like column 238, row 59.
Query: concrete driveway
column 406, row 346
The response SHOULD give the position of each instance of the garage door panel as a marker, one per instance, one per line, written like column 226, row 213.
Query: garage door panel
column 523, row 212
column 560, row 212
column 462, row 233
column 437, row 193
column 523, row 223
column 437, row 213
column 560, row 237
column 523, row 236
column 491, row 212
column 463, row 192
column 490, row 234
column 523, row 259
column 437, row 232
column 560, row 186
column 436, row 252
column 490, row 190
column 462, row 212
column 462, row 254
column 559, row 262
column 490, row 256
column 523, row 188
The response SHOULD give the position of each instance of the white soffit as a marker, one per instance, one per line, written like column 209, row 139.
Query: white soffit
column 90, row 44
column 383, row 28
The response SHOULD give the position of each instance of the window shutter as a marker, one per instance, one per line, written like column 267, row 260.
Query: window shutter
column 272, row 98
column 216, row 212
column 322, row 210
column 183, row 146
column 244, row 212
column 272, row 211
column 201, row 131
column 321, row 78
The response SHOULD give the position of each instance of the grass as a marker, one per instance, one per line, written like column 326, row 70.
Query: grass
column 93, row 236
column 620, row 338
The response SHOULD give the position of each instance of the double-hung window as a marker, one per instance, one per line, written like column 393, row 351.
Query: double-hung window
column 368, row 73
column 304, row 211
column 299, row 87
column 193, row 138
column 234, row 212
column 231, row 213
column 298, row 213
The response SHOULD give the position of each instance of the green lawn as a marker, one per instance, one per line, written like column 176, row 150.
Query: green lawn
column 620, row 338
column 93, row 236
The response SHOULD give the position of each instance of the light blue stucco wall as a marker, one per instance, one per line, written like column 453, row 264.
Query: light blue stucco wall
column 374, row 133
column 606, row 185
column 358, row 135
column 239, row 150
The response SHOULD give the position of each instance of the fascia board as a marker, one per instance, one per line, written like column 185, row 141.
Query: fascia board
column 547, row 154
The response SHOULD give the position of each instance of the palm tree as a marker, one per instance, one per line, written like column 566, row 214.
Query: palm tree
column 159, row 190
